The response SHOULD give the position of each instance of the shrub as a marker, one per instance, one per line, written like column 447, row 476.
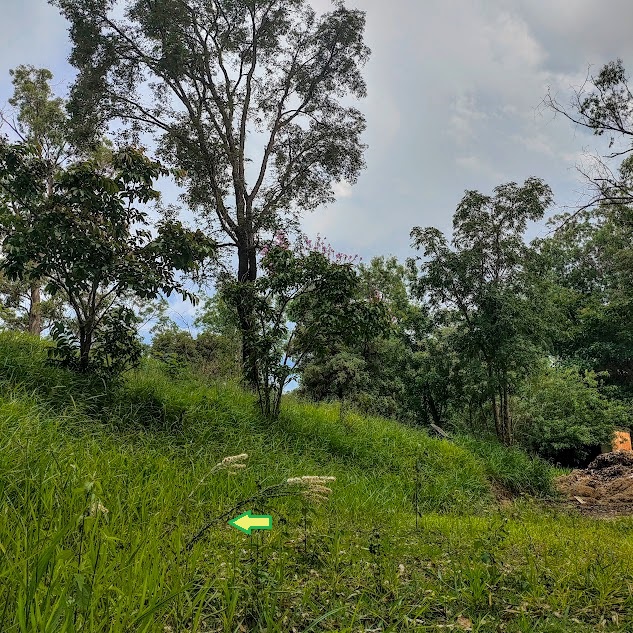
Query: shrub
column 561, row 414
column 214, row 355
column 510, row 466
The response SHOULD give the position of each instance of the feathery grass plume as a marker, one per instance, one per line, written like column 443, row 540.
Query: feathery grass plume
column 232, row 464
column 312, row 487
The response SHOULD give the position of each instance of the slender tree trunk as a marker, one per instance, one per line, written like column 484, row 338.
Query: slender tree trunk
column 85, row 343
column 35, row 312
column 495, row 415
column 35, row 308
column 470, row 413
column 247, row 272
column 502, row 420
column 433, row 409
column 503, row 415
column 507, row 420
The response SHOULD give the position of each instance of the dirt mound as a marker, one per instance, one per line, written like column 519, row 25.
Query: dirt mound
column 608, row 480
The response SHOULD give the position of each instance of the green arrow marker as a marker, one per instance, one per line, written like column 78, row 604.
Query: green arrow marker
column 248, row 522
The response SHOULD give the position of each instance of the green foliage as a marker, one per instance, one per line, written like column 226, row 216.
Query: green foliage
column 176, row 349
column 561, row 413
column 359, row 561
column 212, row 355
column 604, row 104
column 590, row 258
column 483, row 285
column 344, row 374
column 89, row 243
column 115, row 345
column 24, row 369
column 370, row 370
column 319, row 297
column 40, row 121
column 41, row 117
column 217, row 76
column 510, row 466
column 16, row 308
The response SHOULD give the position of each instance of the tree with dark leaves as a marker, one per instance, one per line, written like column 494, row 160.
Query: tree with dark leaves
column 90, row 244
column 245, row 95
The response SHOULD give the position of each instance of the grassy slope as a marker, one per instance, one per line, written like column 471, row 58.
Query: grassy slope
column 356, row 563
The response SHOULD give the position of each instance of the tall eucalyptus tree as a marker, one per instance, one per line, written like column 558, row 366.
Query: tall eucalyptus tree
column 249, row 97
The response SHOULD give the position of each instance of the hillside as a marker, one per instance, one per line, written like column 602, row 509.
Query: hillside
column 101, row 496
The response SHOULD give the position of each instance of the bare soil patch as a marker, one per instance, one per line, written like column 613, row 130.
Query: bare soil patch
column 604, row 488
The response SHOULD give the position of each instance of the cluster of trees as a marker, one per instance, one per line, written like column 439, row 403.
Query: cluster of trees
column 247, row 105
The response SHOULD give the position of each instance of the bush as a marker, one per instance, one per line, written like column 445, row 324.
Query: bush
column 147, row 401
column 210, row 354
column 561, row 414
column 24, row 367
column 175, row 349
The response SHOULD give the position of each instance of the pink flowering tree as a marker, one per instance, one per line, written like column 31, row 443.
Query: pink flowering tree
column 307, row 297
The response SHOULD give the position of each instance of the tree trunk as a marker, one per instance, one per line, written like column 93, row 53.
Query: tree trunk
column 495, row 415
column 85, row 343
column 433, row 409
column 35, row 310
column 247, row 273
column 507, row 420
column 502, row 421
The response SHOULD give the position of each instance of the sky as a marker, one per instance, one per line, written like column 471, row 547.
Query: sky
column 455, row 91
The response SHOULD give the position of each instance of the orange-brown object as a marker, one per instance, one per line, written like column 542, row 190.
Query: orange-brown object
column 622, row 441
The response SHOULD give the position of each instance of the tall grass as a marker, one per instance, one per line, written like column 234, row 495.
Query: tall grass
column 147, row 454
column 511, row 467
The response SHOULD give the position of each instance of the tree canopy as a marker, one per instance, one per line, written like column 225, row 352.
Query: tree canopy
column 88, row 242
column 247, row 96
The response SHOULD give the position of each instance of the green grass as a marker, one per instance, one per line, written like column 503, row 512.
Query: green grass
column 359, row 562
column 511, row 467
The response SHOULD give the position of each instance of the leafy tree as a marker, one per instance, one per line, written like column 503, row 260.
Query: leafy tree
column 18, row 294
column 303, row 305
column 604, row 104
column 91, row 245
column 562, row 415
column 359, row 369
column 207, row 354
column 217, row 323
column 340, row 375
column 431, row 375
column 592, row 260
column 40, row 120
column 406, row 370
column 217, row 81
column 216, row 317
column 480, row 282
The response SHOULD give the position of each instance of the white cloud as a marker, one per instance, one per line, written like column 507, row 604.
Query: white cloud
column 464, row 117
column 512, row 45
column 342, row 189
column 479, row 165
column 539, row 143
column 453, row 95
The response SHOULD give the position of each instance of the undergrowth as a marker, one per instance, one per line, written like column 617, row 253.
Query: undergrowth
column 103, row 491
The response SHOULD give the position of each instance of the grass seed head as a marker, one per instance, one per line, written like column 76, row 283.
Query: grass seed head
column 232, row 459
column 96, row 507
column 232, row 463
column 312, row 487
